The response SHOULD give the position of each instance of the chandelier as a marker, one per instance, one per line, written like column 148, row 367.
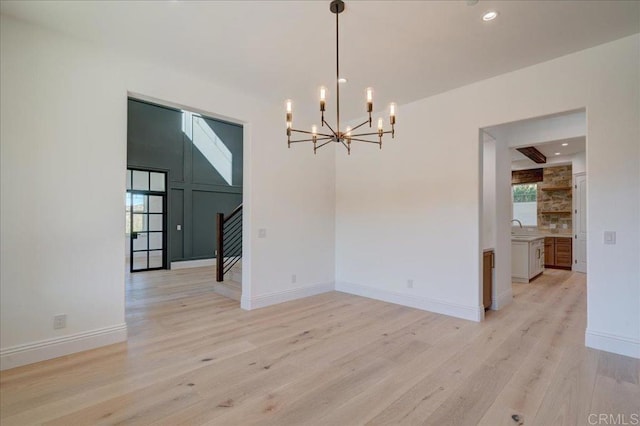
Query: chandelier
column 338, row 136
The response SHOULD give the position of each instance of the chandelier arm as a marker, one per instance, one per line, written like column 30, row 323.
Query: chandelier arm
column 360, row 125
column 311, row 140
column 311, row 133
column 386, row 132
column 363, row 140
column 330, row 128
column 323, row 144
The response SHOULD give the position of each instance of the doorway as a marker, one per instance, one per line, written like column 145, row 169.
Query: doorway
column 545, row 155
column 146, row 219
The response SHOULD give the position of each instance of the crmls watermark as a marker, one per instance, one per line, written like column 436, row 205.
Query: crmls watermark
column 614, row 419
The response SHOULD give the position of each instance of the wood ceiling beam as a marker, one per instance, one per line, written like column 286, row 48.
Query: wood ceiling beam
column 533, row 154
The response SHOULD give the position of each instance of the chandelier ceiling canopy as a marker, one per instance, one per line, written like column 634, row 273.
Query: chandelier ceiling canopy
column 337, row 135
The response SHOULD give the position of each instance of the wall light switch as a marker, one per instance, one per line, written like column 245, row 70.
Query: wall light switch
column 262, row 233
column 609, row 237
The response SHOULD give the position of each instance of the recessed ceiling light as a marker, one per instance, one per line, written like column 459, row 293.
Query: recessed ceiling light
column 342, row 80
column 565, row 144
column 557, row 153
column 490, row 15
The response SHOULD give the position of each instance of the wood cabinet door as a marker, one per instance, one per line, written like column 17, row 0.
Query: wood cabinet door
column 549, row 251
column 487, row 278
column 564, row 255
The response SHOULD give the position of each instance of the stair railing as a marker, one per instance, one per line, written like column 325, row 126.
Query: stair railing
column 229, row 242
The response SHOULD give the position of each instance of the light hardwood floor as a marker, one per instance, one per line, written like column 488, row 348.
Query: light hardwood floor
column 193, row 357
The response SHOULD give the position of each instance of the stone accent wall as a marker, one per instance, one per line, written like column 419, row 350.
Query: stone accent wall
column 559, row 200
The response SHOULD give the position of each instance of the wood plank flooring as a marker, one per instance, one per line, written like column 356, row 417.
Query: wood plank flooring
column 194, row 358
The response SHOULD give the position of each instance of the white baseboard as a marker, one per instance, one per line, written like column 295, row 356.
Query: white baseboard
column 193, row 263
column 249, row 303
column 29, row 353
column 502, row 300
column 227, row 290
column 613, row 343
column 472, row 313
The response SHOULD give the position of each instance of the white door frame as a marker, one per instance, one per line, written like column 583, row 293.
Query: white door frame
column 579, row 219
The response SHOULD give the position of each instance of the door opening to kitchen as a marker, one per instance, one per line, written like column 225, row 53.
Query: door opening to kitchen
column 533, row 215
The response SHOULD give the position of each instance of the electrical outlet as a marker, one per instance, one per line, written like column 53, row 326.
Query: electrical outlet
column 59, row 321
column 294, row 278
column 409, row 283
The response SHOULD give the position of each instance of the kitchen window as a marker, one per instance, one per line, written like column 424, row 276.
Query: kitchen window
column 525, row 203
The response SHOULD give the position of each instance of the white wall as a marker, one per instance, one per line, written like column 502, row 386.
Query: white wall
column 579, row 163
column 412, row 211
column 496, row 215
column 63, row 152
column 488, row 192
column 502, row 291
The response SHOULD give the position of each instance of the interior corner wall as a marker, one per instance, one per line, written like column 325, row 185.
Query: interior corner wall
column 412, row 212
column 488, row 192
column 63, row 106
column 502, row 291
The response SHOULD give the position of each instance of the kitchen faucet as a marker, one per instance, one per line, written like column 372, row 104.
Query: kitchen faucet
column 516, row 220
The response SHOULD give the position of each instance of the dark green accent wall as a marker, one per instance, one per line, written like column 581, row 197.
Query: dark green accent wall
column 197, row 190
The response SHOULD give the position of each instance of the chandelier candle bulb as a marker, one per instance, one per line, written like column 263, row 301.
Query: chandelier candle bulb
column 314, row 136
column 369, row 99
column 289, row 113
column 392, row 113
column 323, row 97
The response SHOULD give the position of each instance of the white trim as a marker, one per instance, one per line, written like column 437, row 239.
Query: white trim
column 472, row 313
column 193, row 263
column 226, row 289
column 502, row 300
column 613, row 343
column 16, row 356
column 249, row 303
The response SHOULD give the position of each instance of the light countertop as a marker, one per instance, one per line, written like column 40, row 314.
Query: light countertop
column 526, row 238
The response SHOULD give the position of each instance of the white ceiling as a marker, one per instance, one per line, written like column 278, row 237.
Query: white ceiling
column 406, row 50
column 549, row 149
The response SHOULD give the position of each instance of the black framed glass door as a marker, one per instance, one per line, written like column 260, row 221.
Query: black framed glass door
column 146, row 207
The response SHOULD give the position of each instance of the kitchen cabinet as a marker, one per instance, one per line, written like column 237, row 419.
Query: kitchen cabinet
column 527, row 258
column 487, row 277
column 558, row 252
column 549, row 252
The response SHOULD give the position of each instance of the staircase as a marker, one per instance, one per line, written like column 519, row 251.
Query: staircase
column 229, row 254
